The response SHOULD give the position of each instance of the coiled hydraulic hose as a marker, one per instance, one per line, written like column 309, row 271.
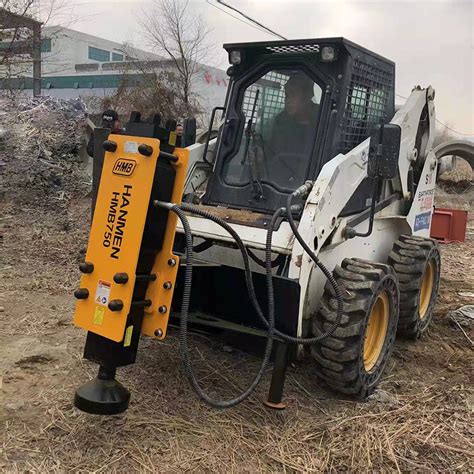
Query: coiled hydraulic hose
column 183, row 332
column 268, row 266
column 270, row 323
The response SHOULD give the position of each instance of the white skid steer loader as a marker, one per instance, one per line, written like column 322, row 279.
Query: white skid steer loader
column 305, row 222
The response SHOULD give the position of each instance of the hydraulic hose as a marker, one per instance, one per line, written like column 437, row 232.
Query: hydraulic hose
column 270, row 291
column 243, row 250
column 183, row 332
column 270, row 323
column 337, row 291
column 268, row 270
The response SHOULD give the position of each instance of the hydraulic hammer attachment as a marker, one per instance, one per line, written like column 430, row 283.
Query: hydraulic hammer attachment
column 130, row 270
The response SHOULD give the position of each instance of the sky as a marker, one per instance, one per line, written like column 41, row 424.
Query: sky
column 431, row 41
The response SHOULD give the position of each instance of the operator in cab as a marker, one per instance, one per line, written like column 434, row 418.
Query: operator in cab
column 293, row 131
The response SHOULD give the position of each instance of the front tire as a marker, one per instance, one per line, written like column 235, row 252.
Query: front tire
column 417, row 262
column 353, row 358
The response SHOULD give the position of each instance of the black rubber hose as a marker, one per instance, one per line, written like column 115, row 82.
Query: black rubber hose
column 269, row 281
column 183, row 332
column 270, row 324
column 243, row 250
column 269, row 276
column 275, row 263
column 323, row 268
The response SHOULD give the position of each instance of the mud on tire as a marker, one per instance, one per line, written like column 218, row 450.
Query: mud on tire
column 353, row 358
column 417, row 263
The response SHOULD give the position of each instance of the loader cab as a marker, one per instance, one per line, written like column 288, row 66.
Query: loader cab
column 291, row 106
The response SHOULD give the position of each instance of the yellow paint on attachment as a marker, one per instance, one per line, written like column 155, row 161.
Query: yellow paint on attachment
column 116, row 233
column 156, row 292
column 128, row 336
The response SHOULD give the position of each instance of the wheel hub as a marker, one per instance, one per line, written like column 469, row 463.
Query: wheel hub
column 376, row 331
column 426, row 288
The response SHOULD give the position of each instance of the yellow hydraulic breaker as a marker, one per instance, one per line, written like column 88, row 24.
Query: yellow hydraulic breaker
column 129, row 272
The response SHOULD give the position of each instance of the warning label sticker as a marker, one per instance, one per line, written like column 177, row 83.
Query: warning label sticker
column 128, row 337
column 102, row 293
column 99, row 315
column 131, row 147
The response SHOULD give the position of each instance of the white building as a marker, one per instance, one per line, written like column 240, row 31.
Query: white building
column 76, row 64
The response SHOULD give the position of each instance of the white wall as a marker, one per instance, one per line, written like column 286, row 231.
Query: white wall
column 210, row 85
column 70, row 47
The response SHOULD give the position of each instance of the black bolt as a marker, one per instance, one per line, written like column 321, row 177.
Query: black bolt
column 168, row 156
column 86, row 267
column 121, row 278
column 167, row 285
column 81, row 293
column 158, row 332
column 171, row 262
column 116, row 305
column 109, row 145
column 162, row 309
column 145, row 150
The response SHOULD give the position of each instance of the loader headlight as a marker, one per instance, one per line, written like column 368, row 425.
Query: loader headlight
column 328, row 54
column 235, row 57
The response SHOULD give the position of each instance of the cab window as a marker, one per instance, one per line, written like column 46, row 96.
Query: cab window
column 281, row 113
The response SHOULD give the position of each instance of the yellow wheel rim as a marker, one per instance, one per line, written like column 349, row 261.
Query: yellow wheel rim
column 426, row 289
column 376, row 331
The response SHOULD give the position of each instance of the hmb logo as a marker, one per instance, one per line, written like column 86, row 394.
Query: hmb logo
column 124, row 167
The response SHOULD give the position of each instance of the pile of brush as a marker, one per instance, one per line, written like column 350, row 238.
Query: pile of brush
column 40, row 139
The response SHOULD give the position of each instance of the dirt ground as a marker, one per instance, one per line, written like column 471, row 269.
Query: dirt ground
column 419, row 419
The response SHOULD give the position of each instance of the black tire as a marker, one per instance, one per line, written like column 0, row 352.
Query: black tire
column 342, row 360
column 417, row 262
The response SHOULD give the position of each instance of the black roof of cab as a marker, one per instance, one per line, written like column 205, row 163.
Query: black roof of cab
column 312, row 45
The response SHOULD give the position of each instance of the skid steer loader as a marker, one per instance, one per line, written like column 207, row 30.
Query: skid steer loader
column 306, row 223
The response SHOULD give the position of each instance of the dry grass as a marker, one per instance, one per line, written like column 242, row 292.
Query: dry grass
column 419, row 420
column 423, row 427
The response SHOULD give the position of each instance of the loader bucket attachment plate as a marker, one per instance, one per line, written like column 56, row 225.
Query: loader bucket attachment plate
column 115, row 240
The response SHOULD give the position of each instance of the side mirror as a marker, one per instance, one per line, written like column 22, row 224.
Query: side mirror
column 384, row 150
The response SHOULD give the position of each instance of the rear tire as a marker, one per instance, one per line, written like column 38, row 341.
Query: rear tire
column 353, row 358
column 417, row 263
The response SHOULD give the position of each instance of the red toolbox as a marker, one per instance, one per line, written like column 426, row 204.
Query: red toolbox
column 449, row 225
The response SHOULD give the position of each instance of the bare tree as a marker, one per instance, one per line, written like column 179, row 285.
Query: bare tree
column 21, row 24
column 11, row 32
column 150, row 86
column 177, row 33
